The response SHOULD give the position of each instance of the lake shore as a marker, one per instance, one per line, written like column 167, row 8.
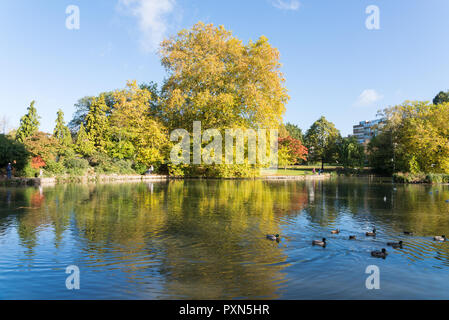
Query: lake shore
column 49, row 181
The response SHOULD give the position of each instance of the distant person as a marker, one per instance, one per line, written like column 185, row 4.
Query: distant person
column 9, row 170
column 313, row 171
column 150, row 170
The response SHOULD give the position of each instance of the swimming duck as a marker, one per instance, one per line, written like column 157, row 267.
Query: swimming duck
column 371, row 234
column 439, row 238
column 395, row 244
column 335, row 231
column 409, row 233
column 351, row 237
column 321, row 243
column 273, row 237
column 379, row 254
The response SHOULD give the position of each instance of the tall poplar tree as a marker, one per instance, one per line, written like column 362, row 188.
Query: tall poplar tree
column 29, row 124
column 61, row 131
column 83, row 143
column 97, row 124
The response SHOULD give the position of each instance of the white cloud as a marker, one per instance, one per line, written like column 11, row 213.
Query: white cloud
column 152, row 16
column 368, row 97
column 286, row 4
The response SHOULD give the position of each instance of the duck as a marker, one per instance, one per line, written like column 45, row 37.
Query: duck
column 371, row 234
column 352, row 238
column 379, row 254
column 439, row 238
column 408, row 233
column 273, row 237
column 321, row 243
column 395, row 244
column 335, row 231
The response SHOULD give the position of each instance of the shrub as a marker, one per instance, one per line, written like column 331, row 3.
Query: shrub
column 54, row 168
column 76, row 163
column 139, row 168
column 124, row 166
column 11, row 150
column 28, row 171
column 437, row 178
column 407, row 177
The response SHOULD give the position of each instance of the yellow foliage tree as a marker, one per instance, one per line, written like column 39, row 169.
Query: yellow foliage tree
column 420, row 134
column 216, row 79
column 135, row 132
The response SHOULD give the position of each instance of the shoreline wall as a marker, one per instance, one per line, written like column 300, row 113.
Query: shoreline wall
column 16, row 181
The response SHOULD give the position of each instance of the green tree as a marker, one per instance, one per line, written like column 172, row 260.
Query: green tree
column 83, row 143
column 82, row 108
column 351, row 153
column 321, row 141
column 155, row 103
column 97, row 124
column 12, row 150
column 441, row 97
column 380, row 152
column 29, row 124
column 294, row 131
column 61, row 131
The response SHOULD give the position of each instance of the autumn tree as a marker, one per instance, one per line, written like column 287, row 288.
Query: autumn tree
column 419, row 136
column 135, row 132
column 61, row 131
column 29, row 124
column 321, row 141
column 291, row 151
column 216, row 79
column 42, row 145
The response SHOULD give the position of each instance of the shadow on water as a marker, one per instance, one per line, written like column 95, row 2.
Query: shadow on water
column 206, row 240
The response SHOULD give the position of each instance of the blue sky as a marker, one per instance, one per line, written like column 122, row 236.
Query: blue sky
column 333, row 64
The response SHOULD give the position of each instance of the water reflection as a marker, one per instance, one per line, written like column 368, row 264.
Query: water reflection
column 206, row 239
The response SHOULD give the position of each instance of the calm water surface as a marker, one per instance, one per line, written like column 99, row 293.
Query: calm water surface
column 206, row 240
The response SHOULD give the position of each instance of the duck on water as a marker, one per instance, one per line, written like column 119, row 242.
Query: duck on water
column 321, row 243
column 379, row 254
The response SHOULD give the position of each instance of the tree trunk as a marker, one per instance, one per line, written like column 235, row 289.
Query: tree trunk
column 322, row 164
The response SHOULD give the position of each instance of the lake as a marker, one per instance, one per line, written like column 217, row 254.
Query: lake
column 206, row 239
